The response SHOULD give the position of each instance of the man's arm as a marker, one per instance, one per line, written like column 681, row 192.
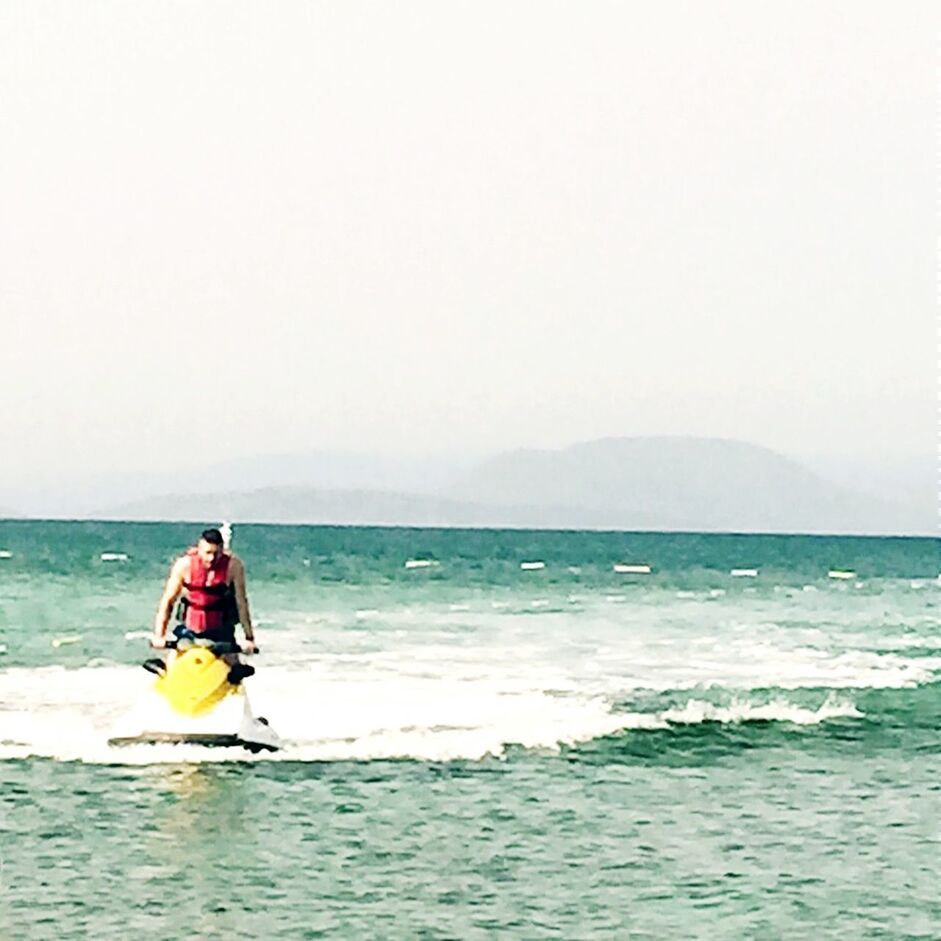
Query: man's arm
column 170, row 593
column 237, row 570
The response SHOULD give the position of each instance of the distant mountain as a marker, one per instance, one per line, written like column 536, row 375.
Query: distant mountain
column 668, row 483
column 910, row 481
column 695, row 483
column 84, row 495
column 367, row 508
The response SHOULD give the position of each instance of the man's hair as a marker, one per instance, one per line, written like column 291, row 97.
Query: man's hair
column 213, row 536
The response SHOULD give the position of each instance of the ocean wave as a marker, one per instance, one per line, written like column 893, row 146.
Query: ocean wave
column 382, row 715
column 696, row 712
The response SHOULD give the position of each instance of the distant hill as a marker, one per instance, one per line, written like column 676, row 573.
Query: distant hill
column 85, row 494
column 365, row 508
column 911, row 481
column 694, row 483
column 669, row 483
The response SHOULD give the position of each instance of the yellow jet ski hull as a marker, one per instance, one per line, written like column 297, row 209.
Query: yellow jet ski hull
column 195, row 681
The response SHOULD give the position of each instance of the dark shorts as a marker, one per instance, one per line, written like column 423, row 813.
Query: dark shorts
column 219, row 635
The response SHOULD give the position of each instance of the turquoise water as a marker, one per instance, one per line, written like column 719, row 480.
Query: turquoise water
column 476, row 750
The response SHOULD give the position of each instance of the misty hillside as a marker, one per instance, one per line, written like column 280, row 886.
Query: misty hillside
column 621, row 483
column 294, row 505
column 911, row 481
column 366, row 508
column 85, row 494
column 698, row 483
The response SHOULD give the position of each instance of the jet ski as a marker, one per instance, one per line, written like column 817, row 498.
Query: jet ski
column 197, row 698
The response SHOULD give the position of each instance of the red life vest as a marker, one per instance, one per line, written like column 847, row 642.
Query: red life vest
column 207, row 592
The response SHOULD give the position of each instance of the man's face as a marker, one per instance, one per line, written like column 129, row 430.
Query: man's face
column 208, row 552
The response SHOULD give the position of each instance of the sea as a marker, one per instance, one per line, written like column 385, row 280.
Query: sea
column 488, row 734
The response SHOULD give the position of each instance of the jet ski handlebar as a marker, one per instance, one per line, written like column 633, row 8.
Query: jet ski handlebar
column 217, row 647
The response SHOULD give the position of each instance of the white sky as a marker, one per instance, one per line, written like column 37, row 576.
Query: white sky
column 241, row 228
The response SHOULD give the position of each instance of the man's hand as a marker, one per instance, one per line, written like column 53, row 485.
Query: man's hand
column 158, row 641
column 248, row 646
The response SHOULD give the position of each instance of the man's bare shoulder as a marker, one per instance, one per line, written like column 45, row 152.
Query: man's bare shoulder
column 235, row 563
column 181, row 567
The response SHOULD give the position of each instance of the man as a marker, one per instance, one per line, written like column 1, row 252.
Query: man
column 212, row 582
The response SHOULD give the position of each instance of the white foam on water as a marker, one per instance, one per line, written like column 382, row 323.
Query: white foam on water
column 68, row 715
column 324, row 714
column 6, row 554
column 897, row 641
column 695, row 712
column 113, row 557
column 441, row 701
column 753, row 666
column 440, row 680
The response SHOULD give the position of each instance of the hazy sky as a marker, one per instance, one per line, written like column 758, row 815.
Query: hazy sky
column 238, row 228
